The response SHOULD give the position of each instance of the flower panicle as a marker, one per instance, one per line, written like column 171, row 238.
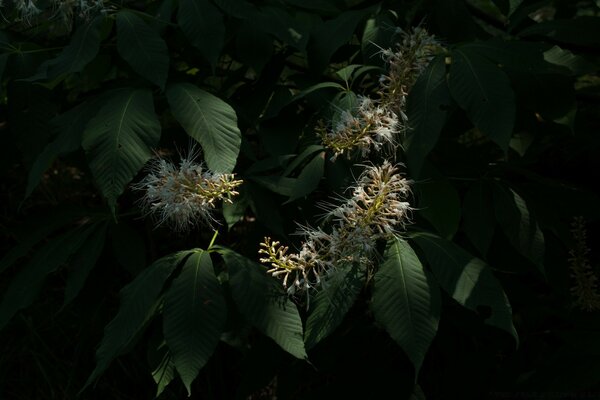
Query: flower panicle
column 376, row 210
column 411, row 56
column 585, row 287
column 367, row 127
column 184, row 195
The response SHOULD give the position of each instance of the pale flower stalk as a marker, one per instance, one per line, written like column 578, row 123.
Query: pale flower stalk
column 376, row 210
column 185, row 195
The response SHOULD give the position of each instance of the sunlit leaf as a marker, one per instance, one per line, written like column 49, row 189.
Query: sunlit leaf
column 406, row 301
column 332, row 302
column 468, row 280
column 119, row 140
column 262, row 300
column 210, row 121
column 139, row 300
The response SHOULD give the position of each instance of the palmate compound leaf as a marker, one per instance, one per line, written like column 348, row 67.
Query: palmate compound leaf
column 467, row 279
column 142, row 47
column 483, row 90
column 406, row 301
column 208, row 120
column 139, row 300
column 263, row 302
column 24, row 288
column 332, row 302
column 194, row 316
column 118, row 140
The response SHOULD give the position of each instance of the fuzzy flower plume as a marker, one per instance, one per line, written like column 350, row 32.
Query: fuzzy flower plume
column 368, row 127
column 585, row 288
column 376, row 210
column 405, row 63
column 184, row 195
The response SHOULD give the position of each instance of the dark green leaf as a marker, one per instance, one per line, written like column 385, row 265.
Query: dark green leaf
column 253, row 46
column 210, row 121
column 139, row 300
column 406, row 301
column 83, row 261
column 82, row 49
column 468, row 280
column 128, row 247
column 483, row 90
column 439, row 202
column 297, row 161
column 164, row 373
column 478, row 216
column 118, row 141
column 583, row 31
column 43, row 228
column 70, row 127
column 264, row 303
column 142, row 47
column 24, row 288
column 331, row 35
column 519, row 225
column 309, row 178
column 331, row 303
column 194, row 316
column 203, row 25
column 427, row 106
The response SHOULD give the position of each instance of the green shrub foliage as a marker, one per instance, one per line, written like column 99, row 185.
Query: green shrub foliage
column 299, row 199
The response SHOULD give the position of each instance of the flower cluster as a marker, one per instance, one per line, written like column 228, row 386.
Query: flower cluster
column 369, row 126
column 376, row 210
column 26, row 10
column 375, row 124
column 184, row 195
column 411, row 56
column 585, row 288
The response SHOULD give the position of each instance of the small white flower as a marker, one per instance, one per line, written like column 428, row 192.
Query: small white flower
column 184, row 196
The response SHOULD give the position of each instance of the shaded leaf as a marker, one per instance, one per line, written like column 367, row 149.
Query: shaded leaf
column 331, row 35
column 118, row 140
column 439, row 203
column 467, row 279
column 253, row 46
column 406, row 301
column 194, row 316
column 202, row 24
column 82, row 49
column 427, row 106
column 483, row 90
column 332, row 302
column 26, row 285
column 83, row 261
column 478, row 217
column 142, row 47
column 70, row 126
column 262, row 301
column 164, row 373
column 519, row 225
column 309, row 178
column 139, row 300
column 208, row 120
column 583, row 31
